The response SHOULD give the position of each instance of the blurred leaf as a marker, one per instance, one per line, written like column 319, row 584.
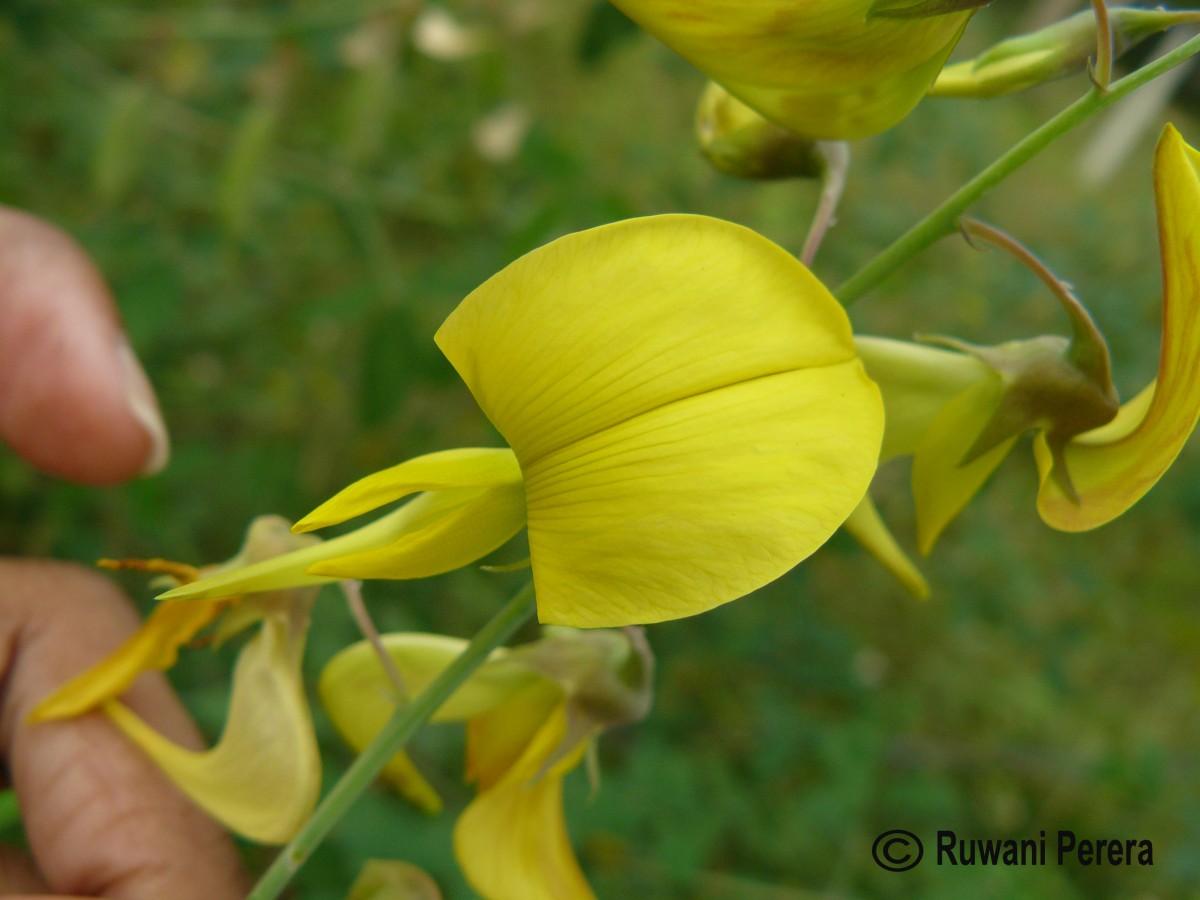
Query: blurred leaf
column 244, row 169
column 604, row 30
column 370, row 51
column 394, row 358
column 10, row 812
column 31, row 18
column 119, row 150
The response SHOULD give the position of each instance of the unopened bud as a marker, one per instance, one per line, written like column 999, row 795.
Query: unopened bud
column 740, row 142
column 1052, row 52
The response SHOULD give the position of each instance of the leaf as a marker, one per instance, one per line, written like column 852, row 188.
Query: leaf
column 605, row 29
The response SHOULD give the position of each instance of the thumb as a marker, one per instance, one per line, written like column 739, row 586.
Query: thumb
column 74, row 402
column 102, row 820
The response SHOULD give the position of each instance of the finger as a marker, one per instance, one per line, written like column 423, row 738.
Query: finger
column 102, row 820
column 74, row 401
column 18, row 874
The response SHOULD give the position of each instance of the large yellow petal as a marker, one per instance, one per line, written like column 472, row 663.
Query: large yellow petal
column 917, row 381
column 698, row 503
column 696, row 422
column 512, row 841
column 154, row 646
column 263, row 776
column 603, row 325
column 824, row 69
column 942, row 487
column 1112, row 473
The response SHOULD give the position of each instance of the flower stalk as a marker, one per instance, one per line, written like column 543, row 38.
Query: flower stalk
column 943, row 221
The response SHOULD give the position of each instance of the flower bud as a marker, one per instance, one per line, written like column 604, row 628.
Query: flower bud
column 740, row 142
column 1057, row 50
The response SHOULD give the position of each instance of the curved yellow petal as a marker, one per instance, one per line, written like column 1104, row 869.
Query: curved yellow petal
column 696, row 423
column 473, row 467
column 824, row 69
column 486, row 520
column 512, row 841
column 154, row 646
column 498, row 738
column 916, row 381
column 867, row 527
column 941, row 487
column 263, row 777
column 1112, row 473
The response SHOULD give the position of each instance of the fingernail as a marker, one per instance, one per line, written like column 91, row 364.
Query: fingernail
column 142, row 403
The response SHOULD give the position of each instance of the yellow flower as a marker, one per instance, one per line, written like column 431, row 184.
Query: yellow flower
column 960, row 414
column 823, row 69
column 263, row 776
column 687, row 417
column 531, row 714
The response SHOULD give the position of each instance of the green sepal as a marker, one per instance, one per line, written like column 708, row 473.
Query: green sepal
column 1044, row 389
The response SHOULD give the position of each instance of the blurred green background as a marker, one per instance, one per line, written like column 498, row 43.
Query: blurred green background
column 288, row 197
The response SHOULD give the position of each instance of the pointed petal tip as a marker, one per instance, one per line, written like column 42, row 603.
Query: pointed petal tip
column 322, row 516
column 867, row 527
column 309, row 523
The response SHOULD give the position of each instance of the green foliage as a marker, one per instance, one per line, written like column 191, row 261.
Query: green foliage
column 285, row 218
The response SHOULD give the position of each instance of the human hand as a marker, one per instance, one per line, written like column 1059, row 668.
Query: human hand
column 74, row 401
column 100, row 817
column 102, row 820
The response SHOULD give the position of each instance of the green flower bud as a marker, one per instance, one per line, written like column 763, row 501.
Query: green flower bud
column 1057, row 50
column 740, row 142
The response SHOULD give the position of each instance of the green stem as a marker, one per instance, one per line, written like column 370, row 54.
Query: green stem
column 943, row 220
column 394, row 735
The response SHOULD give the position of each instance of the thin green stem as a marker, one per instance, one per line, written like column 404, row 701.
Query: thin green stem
column 943, row 220
column 395, row 734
